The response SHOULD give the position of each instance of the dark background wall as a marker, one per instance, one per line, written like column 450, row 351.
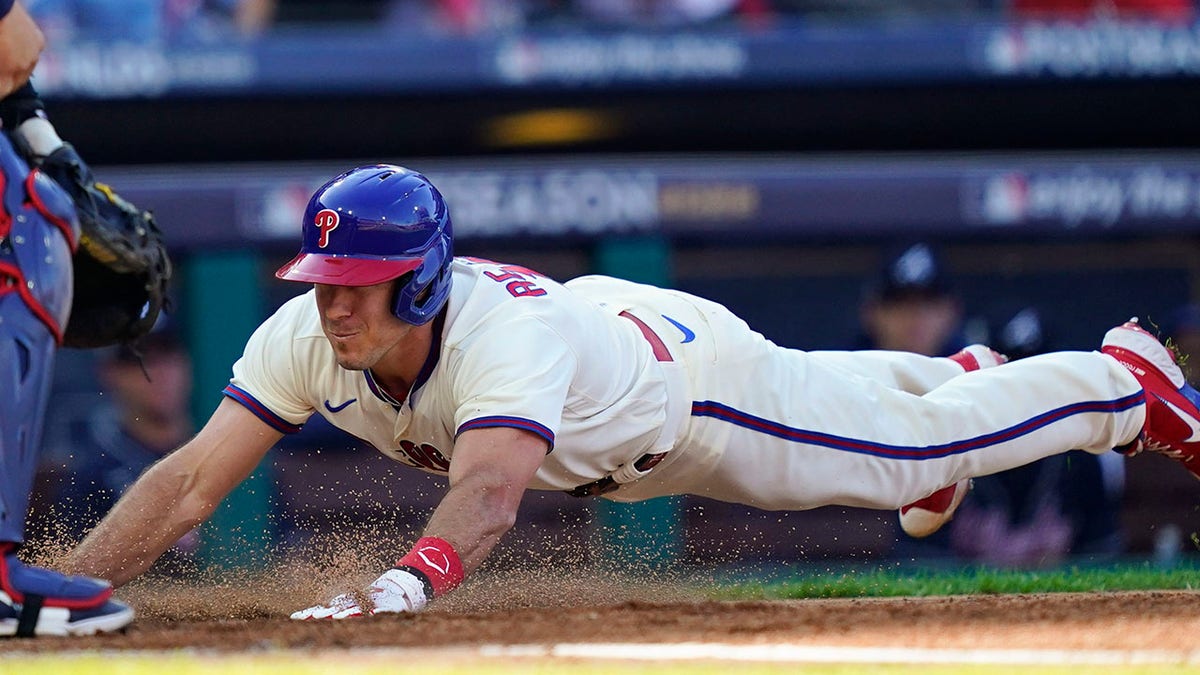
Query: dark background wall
column 989, row 116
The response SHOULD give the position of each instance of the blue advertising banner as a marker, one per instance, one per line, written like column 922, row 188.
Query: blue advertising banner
column 707, row 197
column 326, row 60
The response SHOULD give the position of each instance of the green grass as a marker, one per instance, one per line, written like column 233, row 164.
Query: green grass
column 965, row 581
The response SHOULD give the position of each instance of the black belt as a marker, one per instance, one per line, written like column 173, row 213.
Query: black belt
column 607, row 484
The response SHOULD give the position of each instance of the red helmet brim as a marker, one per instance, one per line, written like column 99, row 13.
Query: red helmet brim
column 340, row 270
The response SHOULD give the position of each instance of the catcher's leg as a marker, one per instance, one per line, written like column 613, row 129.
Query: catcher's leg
column 35, row 601
column 35, row 299
column 25, row 367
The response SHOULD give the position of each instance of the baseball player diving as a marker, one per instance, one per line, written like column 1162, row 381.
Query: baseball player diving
column 506, row 381
column 79, row 267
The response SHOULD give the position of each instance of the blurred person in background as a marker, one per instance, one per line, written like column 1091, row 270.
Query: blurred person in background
column 471, row 17
column 1176, row 11
column 152, row 22
column 910, row 305
column 1040, row 514
column 664, row 13
column 142, row 416
column 463, row 17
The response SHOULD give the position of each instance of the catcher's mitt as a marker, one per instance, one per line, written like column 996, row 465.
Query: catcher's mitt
column 121, row 267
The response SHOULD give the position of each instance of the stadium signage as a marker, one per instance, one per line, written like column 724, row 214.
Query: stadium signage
column 1094, row 49
column 1084, row 195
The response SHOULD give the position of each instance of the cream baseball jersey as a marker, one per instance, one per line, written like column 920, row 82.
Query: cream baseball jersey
column 743, row 419
column 509, row 351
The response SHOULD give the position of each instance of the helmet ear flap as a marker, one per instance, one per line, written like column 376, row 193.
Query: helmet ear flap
column 398, row 286
column 424, row 291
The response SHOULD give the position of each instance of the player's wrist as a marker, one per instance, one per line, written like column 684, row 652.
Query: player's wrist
column 436, row 563
column 20, row 105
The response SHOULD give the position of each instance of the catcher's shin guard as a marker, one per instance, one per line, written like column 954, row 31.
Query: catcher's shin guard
column 26, row 362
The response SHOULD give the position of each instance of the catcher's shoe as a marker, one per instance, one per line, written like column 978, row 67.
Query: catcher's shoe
column 1172, row 424
column 926, row 516
column 35, row 601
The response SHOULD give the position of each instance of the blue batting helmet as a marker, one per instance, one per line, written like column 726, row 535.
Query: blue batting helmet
column 374, row 224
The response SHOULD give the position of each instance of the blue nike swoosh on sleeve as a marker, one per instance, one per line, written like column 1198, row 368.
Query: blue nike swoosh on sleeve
column 338, row 408
column 688, row 335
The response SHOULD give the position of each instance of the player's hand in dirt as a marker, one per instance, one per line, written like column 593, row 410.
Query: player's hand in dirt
column 395, row 591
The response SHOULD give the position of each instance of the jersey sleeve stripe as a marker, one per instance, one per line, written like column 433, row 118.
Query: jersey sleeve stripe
column 736, row 417
column 261, row 411
column 514, row 422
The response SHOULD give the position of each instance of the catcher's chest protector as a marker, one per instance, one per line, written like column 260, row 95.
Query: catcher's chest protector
column 38, row 231
column 37, row 235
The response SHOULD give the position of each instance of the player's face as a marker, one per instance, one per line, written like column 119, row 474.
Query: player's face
column 359, row 324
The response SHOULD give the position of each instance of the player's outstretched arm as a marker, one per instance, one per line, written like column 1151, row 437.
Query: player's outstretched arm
column 21, row 44
column 489, row 473
column 175, row 495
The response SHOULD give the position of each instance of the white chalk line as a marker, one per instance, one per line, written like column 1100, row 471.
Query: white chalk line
column 784, row 653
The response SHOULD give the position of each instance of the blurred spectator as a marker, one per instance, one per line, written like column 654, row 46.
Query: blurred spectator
column 1164, row 10
column 666, row 13
column 1041, row 513
column 143, row 415
column 1182, row 330
column 151, row 22
column 468, row 17
column 911, row 306
column 461, row 17
column 909, row 9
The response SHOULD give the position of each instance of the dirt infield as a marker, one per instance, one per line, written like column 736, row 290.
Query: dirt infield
column 603, row 611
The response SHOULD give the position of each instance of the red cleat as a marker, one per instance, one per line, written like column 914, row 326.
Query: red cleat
column 926, row 516
column 975, row 357
column 1172, row 406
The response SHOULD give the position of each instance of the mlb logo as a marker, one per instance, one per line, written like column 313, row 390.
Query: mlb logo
column 1005, row 199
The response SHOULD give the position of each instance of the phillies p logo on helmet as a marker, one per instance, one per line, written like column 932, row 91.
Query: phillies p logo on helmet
column 326, row 221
